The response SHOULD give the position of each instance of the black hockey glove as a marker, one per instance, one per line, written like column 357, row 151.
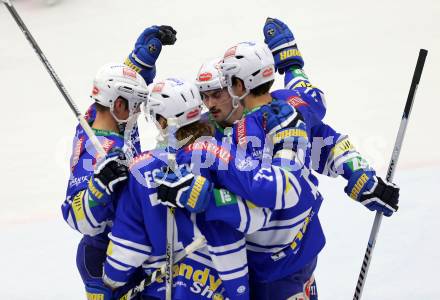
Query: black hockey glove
column 167, row 35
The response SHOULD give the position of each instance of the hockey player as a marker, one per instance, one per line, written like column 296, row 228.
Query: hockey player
column 139, row 231
column 279, row 270
column 138, row 234
column 95, row 182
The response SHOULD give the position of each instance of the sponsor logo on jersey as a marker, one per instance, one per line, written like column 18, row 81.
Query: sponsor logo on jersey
column 76, row 152
column 217, row 150
column 192, row 114
column 158, row 87
column 75, row 181
column 224, row 197
column 203, row 282
column 128, row 72
column 139, row 158
column 300, row 72
column 296, row 101
column 230, row 52
column 289, row 53
column 241, row 132
column 205, row 76
column 241, row 289
column 107, row 144
column 268, row 71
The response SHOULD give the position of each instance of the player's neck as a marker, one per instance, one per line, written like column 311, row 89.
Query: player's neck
column 236, row 115
column 105, row 121
column 251, row 101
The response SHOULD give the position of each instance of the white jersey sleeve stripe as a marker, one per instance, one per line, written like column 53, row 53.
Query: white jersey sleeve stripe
column 130, row 244
column 218, row 250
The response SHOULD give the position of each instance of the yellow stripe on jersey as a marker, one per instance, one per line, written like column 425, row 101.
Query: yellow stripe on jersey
column 77, row 206
column 250, row 204
column 110, row 248
column 279, row 136
column 342, row 147
column 288, row 185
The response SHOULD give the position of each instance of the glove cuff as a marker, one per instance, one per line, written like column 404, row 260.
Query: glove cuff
column 96, row 193
column 288, row 57
column 360, row 182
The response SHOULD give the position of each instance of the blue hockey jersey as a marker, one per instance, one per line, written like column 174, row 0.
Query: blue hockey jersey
column 138, row 238
column 277, row 239
column 79, row 212
column 269, row 232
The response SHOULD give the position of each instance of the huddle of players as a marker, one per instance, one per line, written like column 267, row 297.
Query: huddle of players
column 245, row 178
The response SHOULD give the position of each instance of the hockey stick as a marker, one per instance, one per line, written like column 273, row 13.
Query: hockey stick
column 391, row 169
column 172, row 164
column 100, row 150
column 160, row 272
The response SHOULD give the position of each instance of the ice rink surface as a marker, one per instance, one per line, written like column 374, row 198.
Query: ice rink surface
column 362, row 54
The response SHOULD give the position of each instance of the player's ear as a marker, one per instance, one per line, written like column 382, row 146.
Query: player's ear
column 121, row 104
column 238, row 85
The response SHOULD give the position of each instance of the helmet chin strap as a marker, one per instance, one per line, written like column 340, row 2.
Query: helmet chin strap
column 235, row 105
column 122, row 123
column 236, row 100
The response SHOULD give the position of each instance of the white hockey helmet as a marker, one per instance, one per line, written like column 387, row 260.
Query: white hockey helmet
column 117, row 80
column 175, row 98
column 209, row 77
column 251, row 62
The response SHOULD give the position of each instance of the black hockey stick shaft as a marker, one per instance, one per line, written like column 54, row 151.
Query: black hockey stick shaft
column 391, row 169
column 54, row 76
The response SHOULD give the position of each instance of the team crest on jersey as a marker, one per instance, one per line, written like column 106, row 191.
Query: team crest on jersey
column 241, row 132
column 76, row 152
column 296, row 101
column 217, row 150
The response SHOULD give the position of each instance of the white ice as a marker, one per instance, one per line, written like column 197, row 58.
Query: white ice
column 361, row 53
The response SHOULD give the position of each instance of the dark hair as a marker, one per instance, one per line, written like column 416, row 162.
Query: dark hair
column 194, row 131
column 101, row 108
column 256, row 91
column 262, row 89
